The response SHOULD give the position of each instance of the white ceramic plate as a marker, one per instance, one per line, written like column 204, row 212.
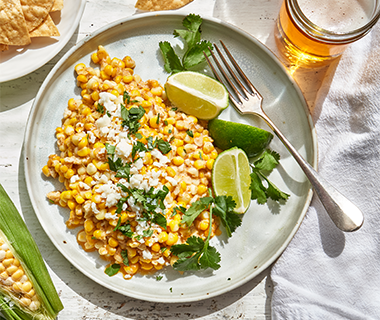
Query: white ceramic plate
column 20, row 61
column 266, row 229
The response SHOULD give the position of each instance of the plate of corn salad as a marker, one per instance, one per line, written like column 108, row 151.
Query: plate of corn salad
column 111, row 165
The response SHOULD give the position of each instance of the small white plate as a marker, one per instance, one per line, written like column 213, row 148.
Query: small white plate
column 266, row 229
column 20, row 61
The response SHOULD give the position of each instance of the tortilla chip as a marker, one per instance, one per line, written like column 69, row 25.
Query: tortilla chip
column 35, row 11
column 157, row 5
column 46, row 29
column 57, row 6
column 3, row 47
column 13, row 29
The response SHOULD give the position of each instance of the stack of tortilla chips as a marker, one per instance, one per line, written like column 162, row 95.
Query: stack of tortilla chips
column 157, row 5
column 21, row 20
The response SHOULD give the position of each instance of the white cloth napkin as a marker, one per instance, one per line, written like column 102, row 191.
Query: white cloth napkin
column 325, row 273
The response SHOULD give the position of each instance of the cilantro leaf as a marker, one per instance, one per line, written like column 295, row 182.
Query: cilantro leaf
column 172, row 62
column 267, row 161
column 192, row 35
column 190, row 133
column 124, row 255
column 123, row 171
column 261, row 167
column 112, row 269
column 163, row 146
column 138, row 147
column 160, row 220
column 100, row 108
column 195, row 56
column 224, row 208
column 127, row 97
column 131, row 118
column 210, row 258
column 257, row 189
column 195, row 254
column 275, row 193
column 125, row 229
column 193, row 44
column 196, row 209
column 110, row 149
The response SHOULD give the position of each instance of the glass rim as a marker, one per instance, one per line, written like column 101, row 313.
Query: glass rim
column 326, row 35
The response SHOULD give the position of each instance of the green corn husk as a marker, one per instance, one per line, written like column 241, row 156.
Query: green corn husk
column 24, row 248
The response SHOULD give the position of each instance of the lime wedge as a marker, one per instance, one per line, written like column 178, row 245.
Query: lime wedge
column 231, row 177
column 227, row 134
column 196, row 94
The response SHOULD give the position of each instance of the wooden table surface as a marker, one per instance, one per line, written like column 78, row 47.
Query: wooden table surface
column 83, row 298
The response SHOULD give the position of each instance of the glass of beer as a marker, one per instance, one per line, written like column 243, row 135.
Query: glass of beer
column 312, row 32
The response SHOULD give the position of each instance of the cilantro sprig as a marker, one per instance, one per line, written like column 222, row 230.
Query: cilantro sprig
column 122, row 169
column 197, row 253
column 149, row 200
column 260, row 169
column 195, row 46
column 131, row 118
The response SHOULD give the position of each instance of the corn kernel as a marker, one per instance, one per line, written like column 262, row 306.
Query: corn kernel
column 214, row 154
column 129, row 62
column 99, row 145
column 71, row 104
column 193, row 119
column 172, row 238
column 163, row 237
column 208, row 147
column 79, row 199
column 118, row 63
column 95, row 58
column 91, row 169
column 200, row 164
column 146, row 104
column 180, row 125
column 168, row 129
column 204, row 225
column 154, row 122
column 128, row 79
column 178, row 161
column 46, row 171
column 210, row 163
column 82, row 78
column 98, row 234
column 171, row 172
column 69, row 130
column 183, row 186
column 201, row 189
column 95, row 96
column 156, row 247
column 113, row 242
column 157, row 91
column 88, row 226
column 69, row 173
column 83, row 152
column 170, row 120
column 132, row 268
column 173, row 225
column 79, row 67
column 146, row 266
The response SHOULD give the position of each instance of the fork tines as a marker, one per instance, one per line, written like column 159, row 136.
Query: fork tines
column 237, row 86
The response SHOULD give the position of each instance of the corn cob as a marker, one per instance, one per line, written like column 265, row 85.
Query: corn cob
column 26, row 289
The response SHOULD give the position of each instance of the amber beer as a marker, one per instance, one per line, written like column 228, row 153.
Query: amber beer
column 312, row 32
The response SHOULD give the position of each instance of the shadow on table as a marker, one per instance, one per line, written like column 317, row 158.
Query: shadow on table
column 100, row 301
column 17, row 92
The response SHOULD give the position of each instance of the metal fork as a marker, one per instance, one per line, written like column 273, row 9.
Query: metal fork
column 342, row 211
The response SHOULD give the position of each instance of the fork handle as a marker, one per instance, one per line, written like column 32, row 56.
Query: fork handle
column 342, row 211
